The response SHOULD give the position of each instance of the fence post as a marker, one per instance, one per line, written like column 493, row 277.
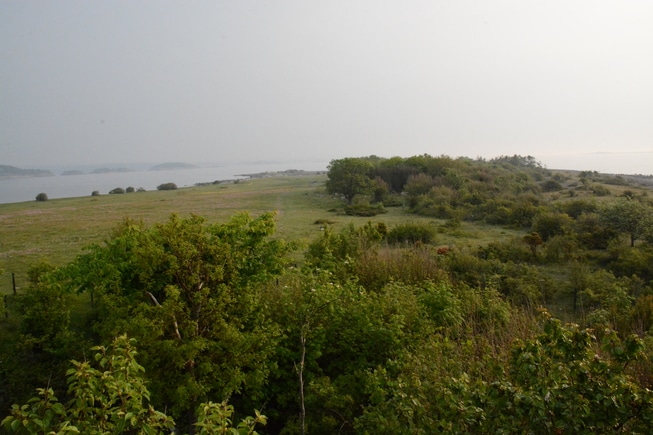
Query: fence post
column 13, row 282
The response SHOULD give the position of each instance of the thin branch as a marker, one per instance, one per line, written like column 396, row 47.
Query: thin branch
column 174, row 318
column 153, row 299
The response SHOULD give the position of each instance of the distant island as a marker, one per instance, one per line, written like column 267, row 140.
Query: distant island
column 14, row 172
column 72, row 172
column 172, row 166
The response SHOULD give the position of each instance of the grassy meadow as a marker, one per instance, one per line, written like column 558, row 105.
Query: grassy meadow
column 57, row 230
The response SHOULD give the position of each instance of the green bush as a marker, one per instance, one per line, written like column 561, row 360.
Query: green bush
column 600, row 190
column 548, row 225
column 376, row 268
column 117, row 190
column 41, row 197
column 412, row 233
column 551, row 186
column 166, row 186
column 95, row 193
column 364, row 210
column 393, row 200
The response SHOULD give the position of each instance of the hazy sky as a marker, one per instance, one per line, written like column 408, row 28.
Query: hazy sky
column 88, row 82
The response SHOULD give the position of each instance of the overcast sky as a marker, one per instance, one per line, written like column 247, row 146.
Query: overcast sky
column 86, row 82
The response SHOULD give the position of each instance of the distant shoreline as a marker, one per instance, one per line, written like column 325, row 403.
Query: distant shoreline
column 259, row 175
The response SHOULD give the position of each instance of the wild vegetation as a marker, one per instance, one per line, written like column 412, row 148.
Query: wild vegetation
column 489, row 297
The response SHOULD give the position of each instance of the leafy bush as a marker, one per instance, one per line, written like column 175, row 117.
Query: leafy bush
column 579, row 206
column 338, row 252
column 562, row 381
column 113, row 399
column 41, row 197
column 200, row 281
column 505, row 251
column 412, row 233
column 117, row 190
column 95, row 193
column 130, row 189
column 166, row 186
column 548, row 225
column 551, row 186
column 393, row 200
column 376, row 268
column 365, row 210
column 600, row 190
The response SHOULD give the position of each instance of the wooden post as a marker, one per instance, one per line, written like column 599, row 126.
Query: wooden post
column 13, row 282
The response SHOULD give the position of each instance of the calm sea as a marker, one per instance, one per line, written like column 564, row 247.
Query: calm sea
column 630, row 163
column 66, row 186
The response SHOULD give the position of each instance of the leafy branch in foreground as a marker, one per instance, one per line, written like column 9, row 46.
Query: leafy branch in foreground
column 113, row 398
column 564, row 380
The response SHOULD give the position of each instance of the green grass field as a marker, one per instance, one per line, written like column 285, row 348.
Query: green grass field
column 57, row 230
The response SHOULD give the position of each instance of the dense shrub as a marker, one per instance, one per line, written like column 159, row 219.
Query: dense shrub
column 41, row 197
column 117, row 190
column 337, row 251
column 376, row 268
column 412, row 233
column 562, row 381
column 632, row 261
column 600, row 190
column 364, row 210
column 466, row 268
column 577, row 207
column 548, row 225
column 95, row 193
column 166, row 186
column 130, row 189
column 551, row 186
column 592, row 232
column 393, row 200
column 510, row 250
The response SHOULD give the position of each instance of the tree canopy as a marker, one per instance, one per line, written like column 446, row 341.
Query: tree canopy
column 629, row 216
column 350, row 177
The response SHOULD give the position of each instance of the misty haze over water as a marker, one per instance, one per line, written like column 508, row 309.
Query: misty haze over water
column 66, row 186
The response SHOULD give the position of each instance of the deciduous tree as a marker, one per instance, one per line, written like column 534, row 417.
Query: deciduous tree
column 350, row 177
column 629, row 216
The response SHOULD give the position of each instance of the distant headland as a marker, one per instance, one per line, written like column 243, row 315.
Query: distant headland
column 14, row 172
